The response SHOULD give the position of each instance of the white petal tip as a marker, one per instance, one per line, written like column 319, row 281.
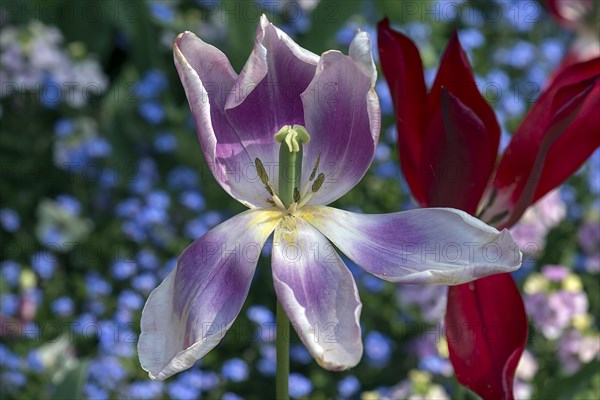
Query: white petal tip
column 264, row 21
column 506, row 237
column 361, row 52
column 334, row 365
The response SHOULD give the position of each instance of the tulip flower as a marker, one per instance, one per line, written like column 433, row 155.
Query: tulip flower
column 448, row 144
column 581, row 17
column 317, row 119
column 570, row 13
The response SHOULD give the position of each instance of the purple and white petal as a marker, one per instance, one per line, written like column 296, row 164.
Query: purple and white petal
column 207, row 77
column 343, row 118
column 361, row 51
column 318, row 293
column 431, row 246
column 266, row 95
column 192, row 309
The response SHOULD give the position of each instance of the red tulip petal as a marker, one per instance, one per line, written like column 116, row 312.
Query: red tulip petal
column 582, row 50
column 556, row 137
column 486, row 328
column 581, row 138
column 564, row 118
column 455, row 74
column 455, row 156
column 540, row 114
column 403, row 70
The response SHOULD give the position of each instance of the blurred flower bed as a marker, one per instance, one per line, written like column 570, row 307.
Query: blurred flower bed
column 103, row 184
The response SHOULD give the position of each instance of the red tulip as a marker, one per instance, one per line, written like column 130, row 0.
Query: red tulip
column 580, row 16
column 570, row 12
column 448, row 143
column 558, row 134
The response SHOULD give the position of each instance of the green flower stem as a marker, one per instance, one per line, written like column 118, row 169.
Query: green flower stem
column 460, row 392
column 283, row 355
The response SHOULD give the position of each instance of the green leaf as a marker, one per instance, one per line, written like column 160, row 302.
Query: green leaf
column 71, row 386
column 241, row 28
column 326, row 19
column 568, row 387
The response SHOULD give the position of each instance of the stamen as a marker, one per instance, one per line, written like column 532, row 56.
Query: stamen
column 304, row 191
column 498, row 217
column 318, row 183
column 278, row 202
column 305, row 200
column 293, row 208
column 296, row 194
column 264, row 177
column 315, row 188
column 488, row 204
column 314, row 171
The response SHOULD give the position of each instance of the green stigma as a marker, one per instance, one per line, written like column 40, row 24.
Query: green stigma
column 293, row 136
column 290, row 161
